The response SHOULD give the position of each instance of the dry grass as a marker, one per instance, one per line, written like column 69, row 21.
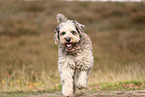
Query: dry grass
column 28, row 55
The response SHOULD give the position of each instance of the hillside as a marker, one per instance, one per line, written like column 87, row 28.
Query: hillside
column 28, row 55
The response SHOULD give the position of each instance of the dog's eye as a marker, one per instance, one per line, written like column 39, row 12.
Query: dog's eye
column 63, row 33
column 73, row 32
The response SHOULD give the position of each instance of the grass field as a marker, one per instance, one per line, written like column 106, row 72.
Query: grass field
column 28, row 54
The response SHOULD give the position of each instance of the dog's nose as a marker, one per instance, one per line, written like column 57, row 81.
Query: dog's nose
column 68, row 39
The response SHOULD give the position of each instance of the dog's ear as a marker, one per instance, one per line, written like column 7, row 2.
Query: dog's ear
column 61, row 18
column 79, row 27
column 82, row 27
column 56, row 35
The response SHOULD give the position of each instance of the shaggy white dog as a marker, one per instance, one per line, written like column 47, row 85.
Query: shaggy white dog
column 75, row 54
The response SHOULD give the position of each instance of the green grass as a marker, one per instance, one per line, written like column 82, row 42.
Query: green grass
column 123, row 85
column 28, row 54
column 100, row 88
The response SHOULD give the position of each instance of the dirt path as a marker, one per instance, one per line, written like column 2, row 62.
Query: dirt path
column 94, row 93
column 84, row 93
column 135, row 93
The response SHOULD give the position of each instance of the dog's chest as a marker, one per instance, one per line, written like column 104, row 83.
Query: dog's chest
column 74, row 51
column 77, row 58
column 77, row 62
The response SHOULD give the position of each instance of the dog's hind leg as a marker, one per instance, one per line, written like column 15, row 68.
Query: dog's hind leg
column 82, row 78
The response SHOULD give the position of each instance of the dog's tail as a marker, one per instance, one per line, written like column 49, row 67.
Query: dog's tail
column 61, row 18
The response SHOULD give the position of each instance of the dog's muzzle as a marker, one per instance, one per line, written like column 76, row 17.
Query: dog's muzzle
column 69, row 45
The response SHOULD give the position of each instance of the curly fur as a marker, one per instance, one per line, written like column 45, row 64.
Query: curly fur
column 77, row 61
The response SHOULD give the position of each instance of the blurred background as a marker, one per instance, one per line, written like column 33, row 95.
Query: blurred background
column 28, row 54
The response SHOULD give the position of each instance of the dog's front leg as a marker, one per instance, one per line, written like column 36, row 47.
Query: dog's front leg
column 67, row 81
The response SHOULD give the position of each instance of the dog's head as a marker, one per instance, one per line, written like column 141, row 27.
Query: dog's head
column 68, row 32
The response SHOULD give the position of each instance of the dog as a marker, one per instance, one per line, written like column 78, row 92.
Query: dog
column 75, row 53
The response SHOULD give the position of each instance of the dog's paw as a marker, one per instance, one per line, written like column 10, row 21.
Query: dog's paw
column 81, row 86
column 68, row 93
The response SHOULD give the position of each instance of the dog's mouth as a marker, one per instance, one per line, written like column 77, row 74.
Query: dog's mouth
column 69, row 46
